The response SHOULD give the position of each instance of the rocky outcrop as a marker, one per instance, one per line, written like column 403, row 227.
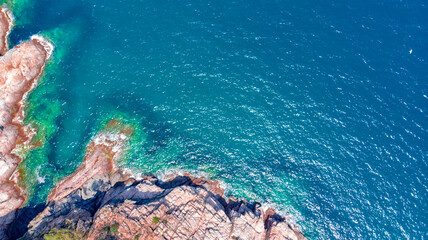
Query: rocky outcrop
column 20, row 68
column 180, row 208
column 100, row 157
column 100, row 202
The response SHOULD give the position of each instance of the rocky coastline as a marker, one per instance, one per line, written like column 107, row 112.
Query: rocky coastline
column 100, row 201
column 20, row 69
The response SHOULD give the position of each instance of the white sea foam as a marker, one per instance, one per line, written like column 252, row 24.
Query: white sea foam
column 49, row 47
column 291, row 218
column 165, row 174
column 39, row 178
column 111, row 139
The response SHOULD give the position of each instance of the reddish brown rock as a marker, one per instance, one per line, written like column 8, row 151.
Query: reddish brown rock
column 100, row 157
column 6, row 23
column 183, row 212
column 20, row 68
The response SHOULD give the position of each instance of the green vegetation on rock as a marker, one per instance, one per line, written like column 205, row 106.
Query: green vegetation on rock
column 114, row 228
column 111, row 229
column 63, row 234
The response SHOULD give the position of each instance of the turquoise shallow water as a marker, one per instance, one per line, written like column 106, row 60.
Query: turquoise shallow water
column 316, row 107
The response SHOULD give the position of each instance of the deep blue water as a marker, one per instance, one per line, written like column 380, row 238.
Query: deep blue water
column 316, row 107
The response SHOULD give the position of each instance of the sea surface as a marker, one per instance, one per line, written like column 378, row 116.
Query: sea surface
column 315, row 107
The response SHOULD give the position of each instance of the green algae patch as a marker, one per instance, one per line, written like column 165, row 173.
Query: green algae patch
column 142, row 152
column 63, row 234
column 116, row 122
column 43, row 107
column 111, row 229
column 114, row 228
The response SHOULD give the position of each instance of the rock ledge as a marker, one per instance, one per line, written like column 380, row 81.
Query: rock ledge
column 106, row 207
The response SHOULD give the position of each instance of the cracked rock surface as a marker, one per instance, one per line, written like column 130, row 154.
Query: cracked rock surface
column 180, row 208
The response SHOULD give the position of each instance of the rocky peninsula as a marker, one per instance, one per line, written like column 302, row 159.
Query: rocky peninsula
column 100, row 201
